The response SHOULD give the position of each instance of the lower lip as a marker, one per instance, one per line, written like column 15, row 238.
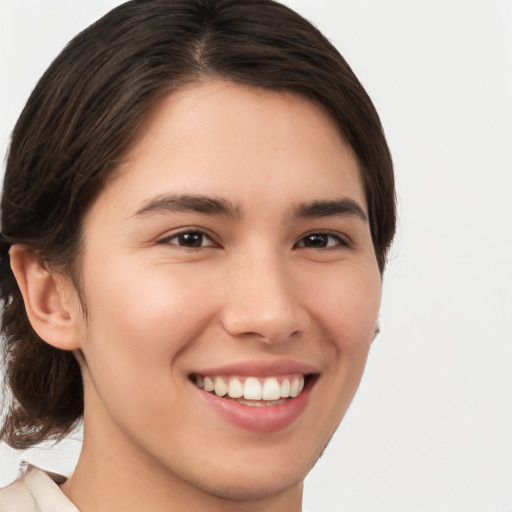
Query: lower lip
column 268, row 419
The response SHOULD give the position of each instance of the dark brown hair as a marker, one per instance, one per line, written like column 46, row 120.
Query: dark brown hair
column 85, row 112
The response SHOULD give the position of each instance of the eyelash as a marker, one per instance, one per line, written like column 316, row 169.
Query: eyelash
column 201, row 237
column 340, row 242
column 195, row 232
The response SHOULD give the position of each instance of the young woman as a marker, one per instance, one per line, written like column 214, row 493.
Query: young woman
column 197, row 206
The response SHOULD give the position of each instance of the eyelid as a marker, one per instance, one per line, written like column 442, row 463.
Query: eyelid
column 343, row 240
column 188, row 229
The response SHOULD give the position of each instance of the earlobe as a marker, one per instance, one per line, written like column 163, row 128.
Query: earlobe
column 47, row 297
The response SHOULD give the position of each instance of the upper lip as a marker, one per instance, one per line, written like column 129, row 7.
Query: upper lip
column 261, row 368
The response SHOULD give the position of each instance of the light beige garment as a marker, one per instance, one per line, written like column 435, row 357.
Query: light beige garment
column 37, row 491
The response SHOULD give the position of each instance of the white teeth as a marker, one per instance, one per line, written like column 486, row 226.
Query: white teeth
column 252, row 389
column 271, row 390
column 208, row 384
column 296, row 386
column 285, row 388
column 221, row 387
column 301, row 384
column 235, row 388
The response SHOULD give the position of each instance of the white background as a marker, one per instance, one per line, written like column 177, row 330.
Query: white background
column 431, row 426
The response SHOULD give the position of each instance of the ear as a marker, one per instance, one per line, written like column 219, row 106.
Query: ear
column 377, row 330
column 48, row 297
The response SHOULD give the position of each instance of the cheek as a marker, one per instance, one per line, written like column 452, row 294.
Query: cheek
column 141, row 320
column 138, row 327
column 347, row 306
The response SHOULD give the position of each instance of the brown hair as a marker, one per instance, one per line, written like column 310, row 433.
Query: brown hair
column 85, row 112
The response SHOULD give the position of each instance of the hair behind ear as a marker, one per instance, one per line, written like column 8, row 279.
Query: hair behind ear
column 46, row 393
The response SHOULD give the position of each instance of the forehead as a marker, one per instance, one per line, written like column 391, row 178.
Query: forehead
column 224, row 139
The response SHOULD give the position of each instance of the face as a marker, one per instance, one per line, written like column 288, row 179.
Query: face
column 232, row 292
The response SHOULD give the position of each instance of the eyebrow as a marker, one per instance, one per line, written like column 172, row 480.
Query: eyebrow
column 331, row 208
column 183, row 203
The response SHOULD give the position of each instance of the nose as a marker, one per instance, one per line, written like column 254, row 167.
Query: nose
column 263, row 301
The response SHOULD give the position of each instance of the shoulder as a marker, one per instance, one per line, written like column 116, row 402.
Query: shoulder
column 17, row 498
column 35, row 492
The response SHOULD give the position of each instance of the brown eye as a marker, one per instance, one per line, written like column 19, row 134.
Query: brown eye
column 321, row 241
column 189, row 239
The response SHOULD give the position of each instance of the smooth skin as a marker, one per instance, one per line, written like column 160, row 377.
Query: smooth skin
column 171, row 291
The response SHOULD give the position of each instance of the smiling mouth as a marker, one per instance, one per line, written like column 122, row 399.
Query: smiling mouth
column 254, row 391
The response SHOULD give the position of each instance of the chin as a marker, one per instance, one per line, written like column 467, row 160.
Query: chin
column 253, row 486
column 257, row 478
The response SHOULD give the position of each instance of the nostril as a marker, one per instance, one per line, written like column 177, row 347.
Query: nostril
column 264, row 327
